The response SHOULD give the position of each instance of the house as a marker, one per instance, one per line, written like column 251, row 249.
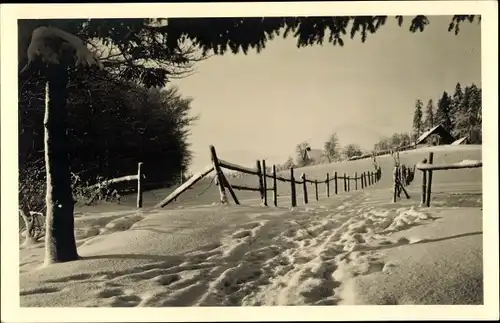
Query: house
column 435, row 136
column 316, row 156
column 461, row 141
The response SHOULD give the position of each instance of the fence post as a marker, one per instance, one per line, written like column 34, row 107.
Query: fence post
column 304, row 187
column 395, row 184
column 327, row 181
column 261, row 183
column 345, row 182
column 348, row 183
column 373, row 177
column 356, row 181
column 230, row 189
column 336, row 186
column 429, row 181
column 264, row 180
column 275, row 187
column 369, row 179
column 218, row 174
column 139, row 185
column 293, row 188
column 316, row 188
column 424, row 183
column 362, row 181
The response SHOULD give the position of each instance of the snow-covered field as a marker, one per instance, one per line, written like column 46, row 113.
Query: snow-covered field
column 239, row 256
column 354, row 248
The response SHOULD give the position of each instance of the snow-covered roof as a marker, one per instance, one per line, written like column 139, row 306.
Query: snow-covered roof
column 439, row 130
column 459, row 141
column 427, row 133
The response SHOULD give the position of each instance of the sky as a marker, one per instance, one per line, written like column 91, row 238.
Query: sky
column 260, row 106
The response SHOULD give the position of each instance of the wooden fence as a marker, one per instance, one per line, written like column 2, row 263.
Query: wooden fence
column 427, row 167
column 384, row 152
column 402, row 177
column 364, row 179
column 137, row 177
column 343, row 182
column 359, row 181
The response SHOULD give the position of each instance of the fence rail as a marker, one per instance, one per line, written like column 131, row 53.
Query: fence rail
column 462, row 165
column 128, row 178
column 427, row 168
column 188, row 184
column 238, row 168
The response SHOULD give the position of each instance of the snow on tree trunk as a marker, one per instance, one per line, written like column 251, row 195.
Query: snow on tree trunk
column 60, row 242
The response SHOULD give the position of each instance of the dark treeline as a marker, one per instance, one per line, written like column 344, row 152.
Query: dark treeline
column 460, row 114
column 112, row 125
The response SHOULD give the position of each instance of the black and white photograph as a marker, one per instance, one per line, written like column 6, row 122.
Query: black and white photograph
column 296, row 156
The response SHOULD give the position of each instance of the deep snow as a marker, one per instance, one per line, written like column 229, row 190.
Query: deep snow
column 228, row 256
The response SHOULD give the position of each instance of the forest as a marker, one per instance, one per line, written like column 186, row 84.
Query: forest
column 112, row 125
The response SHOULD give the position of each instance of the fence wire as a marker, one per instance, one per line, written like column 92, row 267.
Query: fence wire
column 203, row 192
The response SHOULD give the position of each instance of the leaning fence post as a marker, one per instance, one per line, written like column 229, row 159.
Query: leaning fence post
column 327, row 181
column 275, row 187
column 336, row 186
column 345, row 182
column 424, row 183
column 304, row 187
column 230, row 189
column 218, row 174
column 429, row 181
column 139, row 185
column 316, row 189
column 261, row 183
column 264, row 180
column 395, row 184
column 293, row 188
column 356, row 181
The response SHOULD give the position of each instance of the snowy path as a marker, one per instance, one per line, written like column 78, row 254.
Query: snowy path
column 226, row 256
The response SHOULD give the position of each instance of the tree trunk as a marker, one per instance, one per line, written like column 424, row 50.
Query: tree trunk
column 60, row 243
column 25, row 214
